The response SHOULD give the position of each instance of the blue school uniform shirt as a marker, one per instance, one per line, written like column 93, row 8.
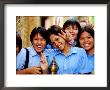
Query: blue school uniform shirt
column 75, row 62
column 91, row 62
column 34, row 58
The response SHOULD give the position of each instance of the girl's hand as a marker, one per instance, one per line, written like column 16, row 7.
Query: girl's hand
column 43, row 63
column 34, row 70
column 67, row 36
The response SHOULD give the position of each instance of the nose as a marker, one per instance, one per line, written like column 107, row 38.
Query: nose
column 39, row 42
column 72, row 31
column 86, row 40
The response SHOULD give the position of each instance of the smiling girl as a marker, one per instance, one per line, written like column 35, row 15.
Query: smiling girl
column 70, row 60
column 37, row 55
column 86, row 41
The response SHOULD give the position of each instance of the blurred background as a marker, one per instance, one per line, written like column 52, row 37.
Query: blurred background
column 25, row 24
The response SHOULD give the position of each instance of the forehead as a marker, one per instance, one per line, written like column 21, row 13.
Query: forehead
column 72, row 26
column 38, row 35
column 83, row 34
column 53, row 36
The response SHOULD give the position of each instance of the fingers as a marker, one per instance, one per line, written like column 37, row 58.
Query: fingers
column 35, row 70
column 38, row 70
column 43, row 62
column 62, row 34
column 43, row 58
column 69, row 36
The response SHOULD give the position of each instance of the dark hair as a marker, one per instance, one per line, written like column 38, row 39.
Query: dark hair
column 87, row 29
column 54, row 29
column 71, row 22
column 41, row 31
column 18, row 41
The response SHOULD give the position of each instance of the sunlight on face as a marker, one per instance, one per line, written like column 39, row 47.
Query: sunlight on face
column 86, row 41
column 39, row 42
column 57, row 41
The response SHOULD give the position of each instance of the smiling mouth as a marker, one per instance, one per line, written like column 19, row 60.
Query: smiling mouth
column 39, row 47
column 86, row 45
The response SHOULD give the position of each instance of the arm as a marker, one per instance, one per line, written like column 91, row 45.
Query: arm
column 21, row 58
column 32, row 70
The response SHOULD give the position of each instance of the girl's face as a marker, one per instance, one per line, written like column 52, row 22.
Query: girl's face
column 86, row 41
column 57, row 41
column 39, row 43
column 73, row 30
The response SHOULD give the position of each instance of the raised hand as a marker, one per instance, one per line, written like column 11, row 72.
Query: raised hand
column 43, row 63
column 67, row 36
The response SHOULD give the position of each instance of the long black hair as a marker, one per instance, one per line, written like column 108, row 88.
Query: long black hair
column 71, row 22
column 87, row 29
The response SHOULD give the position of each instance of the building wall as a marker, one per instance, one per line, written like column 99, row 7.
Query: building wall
column 24, row 26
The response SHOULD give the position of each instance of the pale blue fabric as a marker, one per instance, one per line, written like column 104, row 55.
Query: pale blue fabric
column 75, row 62
column 91, row 62
column 34, row 58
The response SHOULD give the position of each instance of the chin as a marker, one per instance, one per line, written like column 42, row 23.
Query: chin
column 61, row 48
column 87, row 49
column 39, row 51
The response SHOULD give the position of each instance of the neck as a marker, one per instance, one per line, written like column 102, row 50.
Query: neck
column 91, row 52
column 66, row 49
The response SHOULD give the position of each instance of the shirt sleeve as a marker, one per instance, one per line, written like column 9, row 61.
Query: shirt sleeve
column 20, row 59
column 84, row 64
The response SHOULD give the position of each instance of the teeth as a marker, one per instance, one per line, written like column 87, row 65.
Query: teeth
column 86, row 45
column 39, row 46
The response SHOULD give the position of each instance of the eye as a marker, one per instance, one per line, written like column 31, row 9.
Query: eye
column 67, row 28
column 57, row 39
column 43, row 40
column 89, row 37
column 81, row 39
column 76, row 29
column 35, row 39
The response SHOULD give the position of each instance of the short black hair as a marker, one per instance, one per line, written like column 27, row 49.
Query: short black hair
column 41, row 31
column 87, row 29
column 18, row 41
column 71, row 22
column 54, row 29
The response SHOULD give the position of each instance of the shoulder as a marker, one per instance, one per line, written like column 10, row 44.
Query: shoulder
column 49, row 51
column 77, row 49
column 23, row 50
column 21, row 54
